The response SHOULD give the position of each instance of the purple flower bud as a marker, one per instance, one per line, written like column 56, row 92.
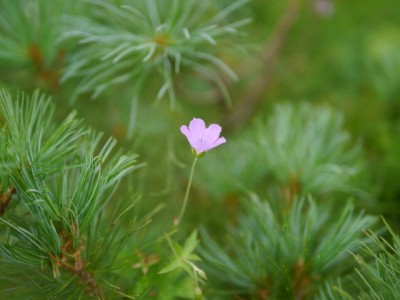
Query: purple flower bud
column 201, row 138
column 324, row 8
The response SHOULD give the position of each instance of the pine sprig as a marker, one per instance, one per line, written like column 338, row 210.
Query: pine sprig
column 301, row 149
column 33, row 139
column 289, row 254
column 308, row 150
column 31, row 51
column 62, row 184
column 146, row 39
column 379, row 279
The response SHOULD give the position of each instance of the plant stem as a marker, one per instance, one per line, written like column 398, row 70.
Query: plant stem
column 187, row 192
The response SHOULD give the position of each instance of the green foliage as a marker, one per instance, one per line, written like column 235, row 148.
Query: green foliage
column 32, row 140
column 61, row 181
column 185, row 259
column 287, row 254
column 245, row 171
column 307, row 148
column 77, row 223
column 379, row 279
column 301, row 148
column 138, row 40
column 383, row 60
column 31, row 51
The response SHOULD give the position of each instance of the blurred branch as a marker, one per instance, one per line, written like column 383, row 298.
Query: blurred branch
column 5, row 199
column 244, row 109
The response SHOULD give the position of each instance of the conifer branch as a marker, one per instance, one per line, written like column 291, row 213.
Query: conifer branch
column 285, row 255
column 64, row 181
column 152, row 52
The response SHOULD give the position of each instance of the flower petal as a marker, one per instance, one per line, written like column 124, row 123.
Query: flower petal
column 211, row 134
column 218, row 142
column 197, row 128
column 186, row 132
column 200, row 145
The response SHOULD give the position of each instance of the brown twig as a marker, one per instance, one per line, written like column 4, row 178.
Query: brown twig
column 291, row 190
column 49, row 75
column 245, row 108
column 302, row 281
column 5, row 199
column 71, row 260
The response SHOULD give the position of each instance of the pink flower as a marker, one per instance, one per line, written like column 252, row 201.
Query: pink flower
column 201, row 138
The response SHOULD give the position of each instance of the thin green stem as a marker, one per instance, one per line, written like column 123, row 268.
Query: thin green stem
column 187, row 192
